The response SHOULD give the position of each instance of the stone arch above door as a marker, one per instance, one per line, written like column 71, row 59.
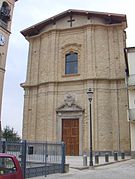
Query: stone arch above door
column 69, row 110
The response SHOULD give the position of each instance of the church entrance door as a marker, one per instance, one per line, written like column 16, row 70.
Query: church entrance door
column 70, row 135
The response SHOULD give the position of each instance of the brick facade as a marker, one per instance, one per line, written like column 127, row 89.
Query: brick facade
column 101, row 66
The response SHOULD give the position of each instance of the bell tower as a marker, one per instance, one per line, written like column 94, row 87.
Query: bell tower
column 6, row 14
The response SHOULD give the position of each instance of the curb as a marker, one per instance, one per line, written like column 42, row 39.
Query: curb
column 109, row 163
column 98, row 165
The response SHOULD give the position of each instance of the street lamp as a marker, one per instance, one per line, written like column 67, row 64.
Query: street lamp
column 90, row 95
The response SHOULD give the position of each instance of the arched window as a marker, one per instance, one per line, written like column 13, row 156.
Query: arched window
column 5, row 12
column 71, row 63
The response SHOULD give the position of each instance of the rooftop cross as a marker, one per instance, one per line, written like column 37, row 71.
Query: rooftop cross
column 71, row 20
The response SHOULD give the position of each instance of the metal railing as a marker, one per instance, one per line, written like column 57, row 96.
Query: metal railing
column 36, row 158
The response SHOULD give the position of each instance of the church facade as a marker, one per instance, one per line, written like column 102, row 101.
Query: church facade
column 68, row 54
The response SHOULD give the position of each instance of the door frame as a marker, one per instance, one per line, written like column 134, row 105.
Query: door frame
column 59, row 128
column 71, row 136
column 70, row 110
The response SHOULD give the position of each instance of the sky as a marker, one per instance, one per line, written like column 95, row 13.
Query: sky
column 29, row 12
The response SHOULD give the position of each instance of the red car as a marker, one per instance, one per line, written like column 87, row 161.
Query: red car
column 10, row 167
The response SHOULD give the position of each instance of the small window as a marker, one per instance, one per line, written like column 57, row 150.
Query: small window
column 71, row 63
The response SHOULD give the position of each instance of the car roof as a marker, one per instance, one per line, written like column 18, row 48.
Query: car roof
column 6, row 155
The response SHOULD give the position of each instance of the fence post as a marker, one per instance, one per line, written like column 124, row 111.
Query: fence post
column 96, row 159
column 106, row 157
column 46, row 156
column 84, row 160
column 63, row 157
column 115, row 156
column 122, row 155
column 23, row 157
column 3, row 146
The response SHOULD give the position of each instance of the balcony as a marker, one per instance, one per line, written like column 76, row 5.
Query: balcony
column 131, row 81
column 132, row 115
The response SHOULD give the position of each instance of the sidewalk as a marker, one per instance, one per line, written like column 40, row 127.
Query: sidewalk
column 77, row 161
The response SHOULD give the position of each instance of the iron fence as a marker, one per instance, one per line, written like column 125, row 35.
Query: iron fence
column 36, row 159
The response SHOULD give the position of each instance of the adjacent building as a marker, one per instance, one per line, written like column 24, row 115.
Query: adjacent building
column 69, row 53
column 130, row 82
column 6, row 13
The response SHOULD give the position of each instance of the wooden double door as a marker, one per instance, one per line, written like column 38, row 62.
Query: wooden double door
column 70, row 136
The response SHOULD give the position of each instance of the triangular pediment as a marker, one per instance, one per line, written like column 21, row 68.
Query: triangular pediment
column 67, row 108
column 110, row 18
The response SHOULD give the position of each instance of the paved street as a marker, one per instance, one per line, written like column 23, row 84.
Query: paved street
column 120, row 170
